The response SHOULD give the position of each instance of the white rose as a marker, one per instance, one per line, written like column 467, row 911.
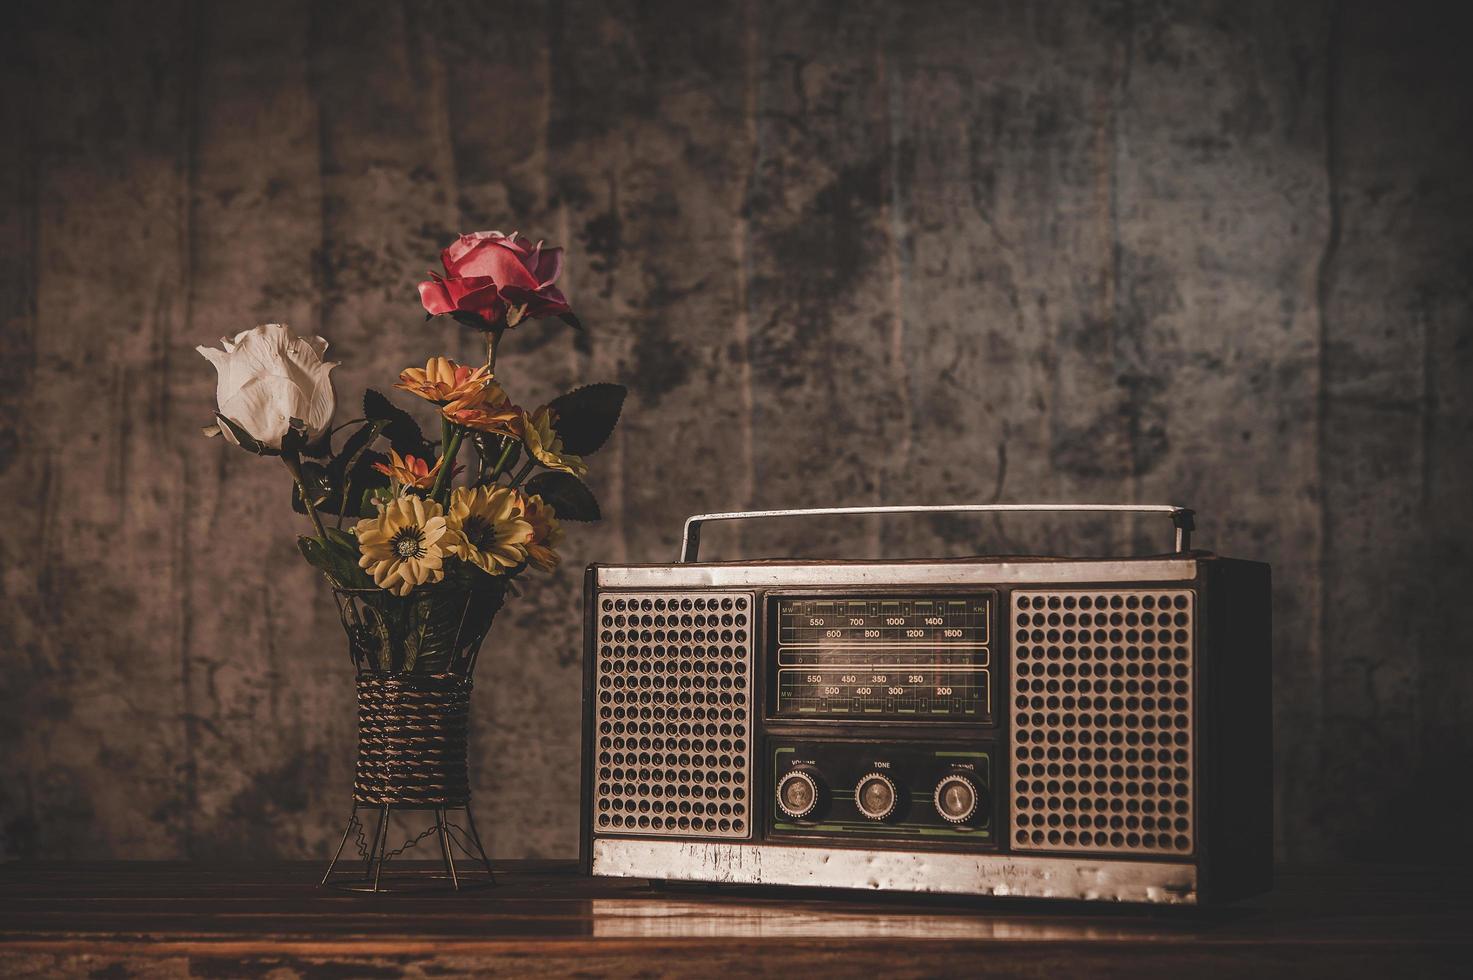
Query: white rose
column 269, row 376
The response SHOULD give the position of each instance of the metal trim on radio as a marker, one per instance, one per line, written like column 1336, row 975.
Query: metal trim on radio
column 884, row 870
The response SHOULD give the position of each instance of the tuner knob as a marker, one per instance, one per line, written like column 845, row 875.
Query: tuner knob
column 956, row 798
column 875, row 796
column 797, row 794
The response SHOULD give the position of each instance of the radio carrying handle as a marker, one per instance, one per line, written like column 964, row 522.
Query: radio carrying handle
column 1182, row 518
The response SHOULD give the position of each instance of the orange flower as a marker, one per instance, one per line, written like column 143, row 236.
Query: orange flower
column 546, row 533
column 411, row 471
column 488, row 410
column 442, row 380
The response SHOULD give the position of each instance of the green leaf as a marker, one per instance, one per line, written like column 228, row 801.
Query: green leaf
column 247, row 441
column 399, row 426
column 570, row 320
column 360, row 441
column 353, row 471
column 344, row 541
column 337, row 558
column 585, row 417
column 384, row 615
column 321, row 447
column 373, row 499
column 345, row 477
column 362, row 479
column 433, row 629
column 566, row 494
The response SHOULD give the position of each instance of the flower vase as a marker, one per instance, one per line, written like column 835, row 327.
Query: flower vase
column 413, row 657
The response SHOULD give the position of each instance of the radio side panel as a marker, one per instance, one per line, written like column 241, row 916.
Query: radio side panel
column 1236, row 815
column 589, row 722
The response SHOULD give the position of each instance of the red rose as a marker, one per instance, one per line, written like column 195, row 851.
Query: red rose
column 501, row 278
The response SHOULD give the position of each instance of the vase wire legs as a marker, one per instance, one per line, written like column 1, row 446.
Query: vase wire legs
column 375, row 854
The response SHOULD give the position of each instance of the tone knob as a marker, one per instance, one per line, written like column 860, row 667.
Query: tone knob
column 797, row 794
column 875, row 796
column 956, row 798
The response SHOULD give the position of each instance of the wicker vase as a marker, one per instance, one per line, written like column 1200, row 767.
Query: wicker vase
column 413, row 658
column 412, row 734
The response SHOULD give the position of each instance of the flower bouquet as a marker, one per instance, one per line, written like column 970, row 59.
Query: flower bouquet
column 432, row 544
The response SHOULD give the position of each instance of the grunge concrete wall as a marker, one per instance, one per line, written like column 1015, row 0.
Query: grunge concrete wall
column 842, row 253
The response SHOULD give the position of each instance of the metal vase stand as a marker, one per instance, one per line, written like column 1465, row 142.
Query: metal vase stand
column 413, row 731
column 366, row 872
column 412, row 735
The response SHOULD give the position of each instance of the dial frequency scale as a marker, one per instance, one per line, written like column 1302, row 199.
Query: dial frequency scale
column 883, row 656
column 1084, row 728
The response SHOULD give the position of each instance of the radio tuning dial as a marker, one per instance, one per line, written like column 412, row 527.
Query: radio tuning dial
column 956, row 798
column 797, row 794
column 875, row 796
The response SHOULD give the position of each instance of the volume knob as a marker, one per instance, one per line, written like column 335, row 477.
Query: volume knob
column 875, row 796
column 797, row 794
column 956, row 798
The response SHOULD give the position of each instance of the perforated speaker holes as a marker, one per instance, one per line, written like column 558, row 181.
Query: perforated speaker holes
column 1102, row 721
column 674, row 682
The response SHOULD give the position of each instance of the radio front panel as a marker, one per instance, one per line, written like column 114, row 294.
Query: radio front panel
column 1008, row 718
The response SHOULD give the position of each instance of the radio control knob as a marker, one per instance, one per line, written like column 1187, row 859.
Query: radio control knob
column 875, row 796
column 797, row 794
column 956, row 798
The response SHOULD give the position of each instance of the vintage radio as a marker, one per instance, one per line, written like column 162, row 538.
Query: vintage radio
column 1076, row 728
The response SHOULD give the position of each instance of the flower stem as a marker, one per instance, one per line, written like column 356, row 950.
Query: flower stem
column 522, row 473
column 505, row 454
column 344, row 505
column 447, row 465
column 493, row 340
column 295, row 467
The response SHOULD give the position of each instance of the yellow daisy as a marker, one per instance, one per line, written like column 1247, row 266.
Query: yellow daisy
column 442, row 380
column 487, row 528
column 546, row 532
column 546, row 446
column 405, row 545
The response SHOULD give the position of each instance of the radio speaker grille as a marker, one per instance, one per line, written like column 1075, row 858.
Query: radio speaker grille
column 674, row 684
column 1102, row 721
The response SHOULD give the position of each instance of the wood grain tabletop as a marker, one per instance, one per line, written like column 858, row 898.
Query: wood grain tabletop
column 545, row 919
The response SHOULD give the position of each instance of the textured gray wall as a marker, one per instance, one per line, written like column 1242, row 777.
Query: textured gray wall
column 842, row 253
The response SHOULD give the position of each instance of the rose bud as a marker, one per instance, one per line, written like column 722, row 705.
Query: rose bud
column 268, row 376
column 502, row 279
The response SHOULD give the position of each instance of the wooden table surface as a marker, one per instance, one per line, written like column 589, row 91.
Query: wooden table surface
column 120, row 920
